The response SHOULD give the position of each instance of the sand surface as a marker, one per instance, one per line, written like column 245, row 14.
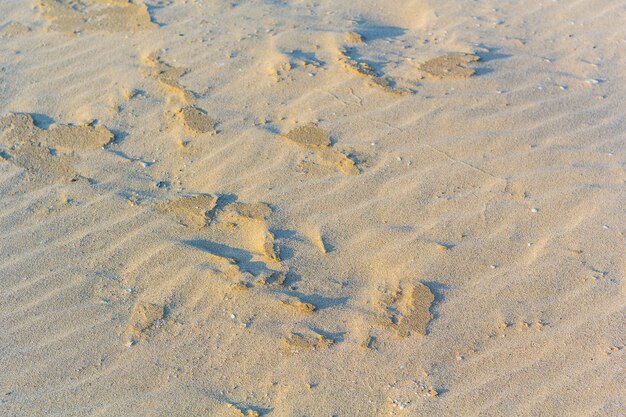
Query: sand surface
column 312, row 208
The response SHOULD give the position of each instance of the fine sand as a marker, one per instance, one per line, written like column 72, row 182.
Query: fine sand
column 312, row 208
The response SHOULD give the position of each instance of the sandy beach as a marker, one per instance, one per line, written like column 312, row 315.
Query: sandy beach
column 303, row 208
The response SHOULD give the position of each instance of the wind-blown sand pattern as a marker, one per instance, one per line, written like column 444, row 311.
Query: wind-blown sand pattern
column 330, row 208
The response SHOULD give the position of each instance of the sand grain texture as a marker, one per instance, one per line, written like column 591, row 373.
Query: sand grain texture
column 328, row 208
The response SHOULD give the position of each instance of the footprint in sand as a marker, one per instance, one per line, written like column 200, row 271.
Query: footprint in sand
column 363, row 69
column 450, row 66
column 200, row 210
column 407, row 308
column 48, row 154
column 326, row 160
column 144, row 317
column 169, row 77
column 96, row 15
column 298, row 305
column 310, row 136
column 195, row 120
column 194, row 211
column 14, row 29
column 300, row 342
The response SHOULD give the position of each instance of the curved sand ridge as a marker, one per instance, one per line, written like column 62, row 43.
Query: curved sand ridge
column 472, row 267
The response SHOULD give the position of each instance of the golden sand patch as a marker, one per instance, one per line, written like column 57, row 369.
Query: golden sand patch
column 145, row 316
column 270, row 251
column 328, row 161
column 196, row 120
column 242, row 412
column 300, row 342
column 41, row 164
column 250, row 218
column 365, row 70
column 48, row 154
column 78, row 138
column 315, row 236
column 450, row 66
column 339, row 160
column 310, row 136
column 169, row 75
column 96, row 15
column 298, row 305
column 408, row 308
column 14, row 29
column 353, row 38
column 191, row 211
column 247, row 211
column 325, row 160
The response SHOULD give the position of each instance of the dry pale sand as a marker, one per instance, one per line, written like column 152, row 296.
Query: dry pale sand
column 312, row 208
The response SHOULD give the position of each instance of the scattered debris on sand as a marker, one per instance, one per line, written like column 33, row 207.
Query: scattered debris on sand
column 370, row 343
